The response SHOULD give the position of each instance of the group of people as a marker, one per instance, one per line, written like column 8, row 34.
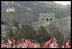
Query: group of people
column 52, row 43
column 25, row 43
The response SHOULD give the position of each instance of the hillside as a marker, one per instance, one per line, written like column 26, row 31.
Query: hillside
column 28, row 11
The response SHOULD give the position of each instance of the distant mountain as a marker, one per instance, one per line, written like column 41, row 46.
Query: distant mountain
column 28, row 11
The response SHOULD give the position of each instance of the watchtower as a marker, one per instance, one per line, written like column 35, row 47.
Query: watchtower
column 46, row 18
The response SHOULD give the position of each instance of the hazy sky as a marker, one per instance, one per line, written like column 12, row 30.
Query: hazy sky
column 63, row 2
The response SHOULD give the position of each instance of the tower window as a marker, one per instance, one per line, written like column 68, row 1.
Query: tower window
column 47, row 19
column 51, row 18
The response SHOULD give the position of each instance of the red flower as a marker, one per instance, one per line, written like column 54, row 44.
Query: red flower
column 13, row 40
column 22, row 40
